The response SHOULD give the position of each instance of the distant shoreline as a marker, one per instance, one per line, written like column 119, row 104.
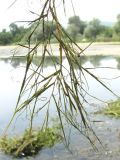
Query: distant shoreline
column 98, row 48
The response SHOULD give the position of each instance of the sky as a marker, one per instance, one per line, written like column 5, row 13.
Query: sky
column 105, row 10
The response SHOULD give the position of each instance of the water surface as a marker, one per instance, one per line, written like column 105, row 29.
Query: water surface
column 108, row 129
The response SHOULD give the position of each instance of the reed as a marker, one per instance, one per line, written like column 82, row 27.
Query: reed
column 69, row 83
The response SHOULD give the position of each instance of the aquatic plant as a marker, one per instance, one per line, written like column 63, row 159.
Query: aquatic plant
column 30, row 143
column 113, row 109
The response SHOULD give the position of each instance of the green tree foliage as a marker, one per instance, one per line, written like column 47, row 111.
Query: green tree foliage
column 117, row 25
column 75, row 20
column 73, row 31
column 106, row 34
column 17, row 32
column 41, row 33
column 14, row 29
column 13, row 36
column 5, row 37
column 75, row 27
column 108, row 31
column 116, row 33
column 93, row 29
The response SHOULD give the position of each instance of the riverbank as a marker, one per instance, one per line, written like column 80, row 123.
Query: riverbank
column 102, row 48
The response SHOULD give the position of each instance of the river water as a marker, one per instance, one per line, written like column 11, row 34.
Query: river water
column 107, row 128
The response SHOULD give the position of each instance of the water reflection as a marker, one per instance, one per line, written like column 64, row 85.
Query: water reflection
column 118, row 62
column 51, row 61
column 21, row 61
column 15, row 61
column 48, row 61
column 96, row 60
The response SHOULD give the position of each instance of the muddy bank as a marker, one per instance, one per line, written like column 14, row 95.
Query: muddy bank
column 93, row 49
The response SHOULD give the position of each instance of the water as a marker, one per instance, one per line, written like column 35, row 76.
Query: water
column 107, row 129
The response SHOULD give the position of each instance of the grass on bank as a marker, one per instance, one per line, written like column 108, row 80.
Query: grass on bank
column 112, row 109
column 30, row 143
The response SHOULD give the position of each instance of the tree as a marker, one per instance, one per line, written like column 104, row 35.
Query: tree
column 117, row 25
column 116, row 34
column 5, row 37
column 14, row 29
column 93, row 29
column 43, row 33
column 76, row 21
column 75, row 27
column 17, row 32
column 73, row 31
column 107, row 31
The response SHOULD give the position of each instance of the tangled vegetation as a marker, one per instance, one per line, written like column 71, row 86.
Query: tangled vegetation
column 66, row 84
column 30, row 143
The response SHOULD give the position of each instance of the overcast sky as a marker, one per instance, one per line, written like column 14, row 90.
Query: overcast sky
column 105, row 10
